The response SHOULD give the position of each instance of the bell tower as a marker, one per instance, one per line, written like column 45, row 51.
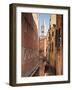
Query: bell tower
column 43, row 28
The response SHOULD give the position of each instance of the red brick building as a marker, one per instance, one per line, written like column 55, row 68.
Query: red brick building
column 30, row 44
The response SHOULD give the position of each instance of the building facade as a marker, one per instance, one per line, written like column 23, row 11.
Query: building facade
column 59, row 45
column 30, row 44
column 51, row 41
column 55, row 43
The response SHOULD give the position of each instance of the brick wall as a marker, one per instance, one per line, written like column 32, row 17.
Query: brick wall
column 30, row 44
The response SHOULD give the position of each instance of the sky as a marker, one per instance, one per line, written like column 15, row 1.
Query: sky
column 41, row 17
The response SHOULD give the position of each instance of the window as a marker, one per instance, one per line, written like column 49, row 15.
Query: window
column 59, row 37
column 52, row 33
column 52, row 47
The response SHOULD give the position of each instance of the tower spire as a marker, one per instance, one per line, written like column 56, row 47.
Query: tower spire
column 43, row 28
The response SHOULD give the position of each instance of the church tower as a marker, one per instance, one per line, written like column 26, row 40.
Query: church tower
column 43, row 28
column 43, row 39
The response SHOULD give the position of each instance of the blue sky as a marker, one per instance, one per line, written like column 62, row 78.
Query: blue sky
column 46, row 17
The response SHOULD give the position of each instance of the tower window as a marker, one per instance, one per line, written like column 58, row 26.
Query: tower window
column 42, row 31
